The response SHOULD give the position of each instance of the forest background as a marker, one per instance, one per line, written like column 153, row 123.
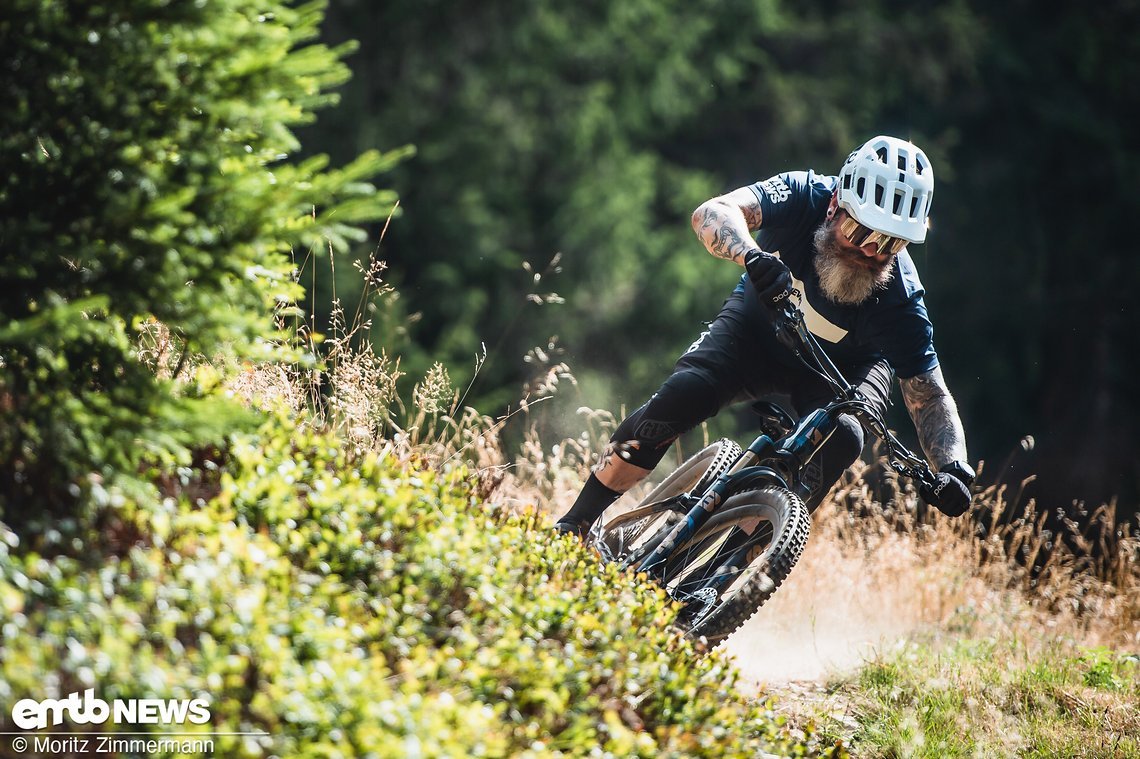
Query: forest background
column 589, row 131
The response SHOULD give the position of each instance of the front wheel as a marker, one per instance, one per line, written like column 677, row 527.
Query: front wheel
column 630, row 533
column 736, row 561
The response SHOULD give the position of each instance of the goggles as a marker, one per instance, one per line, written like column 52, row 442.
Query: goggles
column 859, row 235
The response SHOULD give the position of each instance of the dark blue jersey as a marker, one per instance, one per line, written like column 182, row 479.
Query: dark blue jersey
column 892, row 324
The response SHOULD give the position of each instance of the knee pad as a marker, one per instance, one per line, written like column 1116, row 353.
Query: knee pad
column 847, row 442
column 685, row 400
column 838, row 453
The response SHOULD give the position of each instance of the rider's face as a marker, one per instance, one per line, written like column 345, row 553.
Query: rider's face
column 867, row 256
column 848, row 273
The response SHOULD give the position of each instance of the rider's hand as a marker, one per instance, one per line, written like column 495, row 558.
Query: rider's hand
column 771, row 278
column 951, row 489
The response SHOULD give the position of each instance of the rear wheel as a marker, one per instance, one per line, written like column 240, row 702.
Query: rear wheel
column 631, row 533
column 736, row 561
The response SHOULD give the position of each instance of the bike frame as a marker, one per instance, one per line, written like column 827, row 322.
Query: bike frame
column 779, row 462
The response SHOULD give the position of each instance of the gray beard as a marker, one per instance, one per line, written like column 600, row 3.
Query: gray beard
column 842, row 282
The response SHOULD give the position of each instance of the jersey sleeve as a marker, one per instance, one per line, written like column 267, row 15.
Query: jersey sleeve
column 783, row 198
column 908, row 344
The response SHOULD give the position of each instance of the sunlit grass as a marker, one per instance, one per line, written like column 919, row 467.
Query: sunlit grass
column 938, row 697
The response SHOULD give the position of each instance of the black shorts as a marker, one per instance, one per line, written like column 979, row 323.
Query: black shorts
column 739, row 359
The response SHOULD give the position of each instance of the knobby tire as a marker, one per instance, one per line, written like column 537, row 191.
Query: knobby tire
column 782, row 532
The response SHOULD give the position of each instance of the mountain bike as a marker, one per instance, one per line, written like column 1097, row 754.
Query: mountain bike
column 723, row 531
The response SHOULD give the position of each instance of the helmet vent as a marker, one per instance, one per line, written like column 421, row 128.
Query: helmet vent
column 902, row 179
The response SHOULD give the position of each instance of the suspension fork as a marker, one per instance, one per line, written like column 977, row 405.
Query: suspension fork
column 654, row 563
column 795, row 450
column 741, row 472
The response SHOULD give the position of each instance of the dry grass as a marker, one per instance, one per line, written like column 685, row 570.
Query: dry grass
column 875, row 574
column 943, row 637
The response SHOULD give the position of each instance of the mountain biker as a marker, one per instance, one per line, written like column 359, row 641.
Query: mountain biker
column 841, row 242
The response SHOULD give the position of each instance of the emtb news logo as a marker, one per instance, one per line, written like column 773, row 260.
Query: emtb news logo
column 29, row 714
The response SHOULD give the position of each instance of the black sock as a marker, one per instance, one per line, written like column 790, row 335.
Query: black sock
column 592, row 501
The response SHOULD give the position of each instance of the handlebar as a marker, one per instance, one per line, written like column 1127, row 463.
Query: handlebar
column 792, row 333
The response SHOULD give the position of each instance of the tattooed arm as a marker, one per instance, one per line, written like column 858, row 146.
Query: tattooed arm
column 935, row 417
column 725, row 224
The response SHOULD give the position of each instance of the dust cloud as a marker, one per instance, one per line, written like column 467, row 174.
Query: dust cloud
column 837, row 608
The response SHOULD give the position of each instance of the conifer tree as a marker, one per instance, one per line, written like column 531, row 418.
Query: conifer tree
column 146, row 178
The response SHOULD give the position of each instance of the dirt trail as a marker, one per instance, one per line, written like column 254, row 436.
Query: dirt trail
column 831, row 615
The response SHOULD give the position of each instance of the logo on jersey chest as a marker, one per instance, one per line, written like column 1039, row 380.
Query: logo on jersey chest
column 777, row 189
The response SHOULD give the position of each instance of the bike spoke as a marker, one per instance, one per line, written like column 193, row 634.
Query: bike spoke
column 704, row 562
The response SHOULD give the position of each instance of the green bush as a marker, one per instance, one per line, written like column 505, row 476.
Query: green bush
column 362, row 609
column 145, row 181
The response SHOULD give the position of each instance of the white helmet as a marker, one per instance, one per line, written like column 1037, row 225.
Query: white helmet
column 887, row 185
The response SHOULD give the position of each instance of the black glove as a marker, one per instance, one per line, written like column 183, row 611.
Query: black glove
column 950, row 492
column 769, row 275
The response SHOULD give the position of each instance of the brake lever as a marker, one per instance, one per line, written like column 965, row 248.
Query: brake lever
column 910, row 466
column 921, row 473
column 787, row 326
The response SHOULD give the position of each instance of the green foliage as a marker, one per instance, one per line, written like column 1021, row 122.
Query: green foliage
column 145, row 178
column 358, row 609
column 1108, row 669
